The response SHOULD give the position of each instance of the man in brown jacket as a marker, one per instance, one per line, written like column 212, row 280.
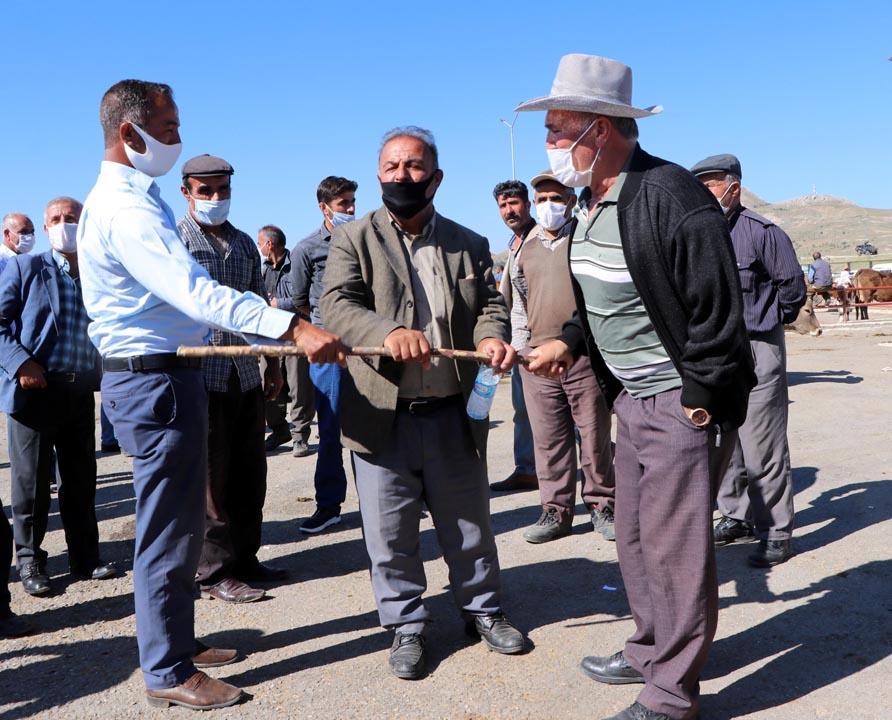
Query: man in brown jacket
column 409, row 279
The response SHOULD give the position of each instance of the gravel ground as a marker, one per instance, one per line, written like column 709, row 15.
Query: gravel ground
column 808, row 639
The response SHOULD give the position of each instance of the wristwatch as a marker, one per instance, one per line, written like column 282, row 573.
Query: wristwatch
column 700, row 417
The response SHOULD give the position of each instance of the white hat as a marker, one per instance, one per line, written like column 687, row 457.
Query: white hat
column 591, row 84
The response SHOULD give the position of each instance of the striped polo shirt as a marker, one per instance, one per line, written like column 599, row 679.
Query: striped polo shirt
column 619, row 322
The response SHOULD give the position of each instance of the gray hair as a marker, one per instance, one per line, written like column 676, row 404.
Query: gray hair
column 626, row 127
column 62, row 199
column 9, row 218
column 426, row 136
column 273, row 234
column 128, row 101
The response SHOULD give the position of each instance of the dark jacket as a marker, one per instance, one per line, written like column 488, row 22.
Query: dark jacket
column 678, row 249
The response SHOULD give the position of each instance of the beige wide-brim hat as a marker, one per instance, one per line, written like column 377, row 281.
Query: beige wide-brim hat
column 591, row 84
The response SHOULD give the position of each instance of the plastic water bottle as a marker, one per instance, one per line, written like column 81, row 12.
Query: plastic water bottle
column 483, row 394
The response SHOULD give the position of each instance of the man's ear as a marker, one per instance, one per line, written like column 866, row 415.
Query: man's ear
column 130, row 137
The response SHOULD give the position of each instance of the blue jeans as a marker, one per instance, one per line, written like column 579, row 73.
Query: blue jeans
column 330, row 479
column 106, row 429
column 524, row 448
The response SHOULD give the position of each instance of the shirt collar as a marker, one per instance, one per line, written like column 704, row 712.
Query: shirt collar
column 5, row 251
column 62, row 262
column 426, row 232
column 125, row 173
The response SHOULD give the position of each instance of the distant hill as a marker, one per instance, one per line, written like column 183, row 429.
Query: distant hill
column 832, row 225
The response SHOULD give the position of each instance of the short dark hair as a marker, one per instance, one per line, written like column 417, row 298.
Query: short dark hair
column 274, row 234
column 511, row 188
column 128, row 101
column 332, row 187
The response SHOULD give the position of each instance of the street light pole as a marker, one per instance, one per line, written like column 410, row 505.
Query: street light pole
column 511, row 130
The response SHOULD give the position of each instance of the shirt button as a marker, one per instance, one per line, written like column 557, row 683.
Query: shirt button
column 410, row 304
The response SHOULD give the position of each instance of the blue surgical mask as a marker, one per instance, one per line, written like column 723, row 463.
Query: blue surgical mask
column 340, row 218
column 211, row 212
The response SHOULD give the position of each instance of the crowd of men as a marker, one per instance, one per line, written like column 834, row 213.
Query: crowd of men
column 642, row 291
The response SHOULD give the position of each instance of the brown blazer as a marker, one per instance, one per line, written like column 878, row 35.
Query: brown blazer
column 367, row 293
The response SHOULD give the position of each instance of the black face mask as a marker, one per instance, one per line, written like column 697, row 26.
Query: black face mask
column 406, row 199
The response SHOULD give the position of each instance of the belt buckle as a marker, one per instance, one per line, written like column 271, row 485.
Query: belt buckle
column 69, row 377
column 416, row 405
column 133, row 362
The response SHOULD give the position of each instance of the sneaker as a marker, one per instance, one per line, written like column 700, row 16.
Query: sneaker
column 771, row 552
column 603, row 522
column 273, row 441
column 728, row 530
column 301, row 449
column 548, row 527
column 321, row 519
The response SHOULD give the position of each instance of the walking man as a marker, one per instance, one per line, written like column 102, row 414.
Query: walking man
column 757, row 489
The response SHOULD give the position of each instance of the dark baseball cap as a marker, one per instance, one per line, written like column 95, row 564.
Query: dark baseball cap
column 726, row 163
column 205, row 165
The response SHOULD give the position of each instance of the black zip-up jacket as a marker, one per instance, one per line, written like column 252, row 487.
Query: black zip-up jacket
column 678, row 249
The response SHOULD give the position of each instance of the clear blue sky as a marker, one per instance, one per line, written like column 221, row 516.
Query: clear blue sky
column 292, row 92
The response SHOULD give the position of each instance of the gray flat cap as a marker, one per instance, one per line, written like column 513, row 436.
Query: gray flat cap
column 205, row 165
column 726, row 163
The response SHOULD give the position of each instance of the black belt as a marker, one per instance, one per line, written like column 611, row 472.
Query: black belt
column 424, row 406
column 66, row 378
column 145, row 363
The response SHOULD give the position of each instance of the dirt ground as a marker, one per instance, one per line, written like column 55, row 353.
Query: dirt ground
column 807, row 639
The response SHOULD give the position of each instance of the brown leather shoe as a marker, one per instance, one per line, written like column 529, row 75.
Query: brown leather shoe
column 516, row 481
column 199, row 692
column 207, row 657
column 232, row 590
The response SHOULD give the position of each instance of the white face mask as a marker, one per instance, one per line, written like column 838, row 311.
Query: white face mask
column 63, row 237
column 552, row 215
column 25, row 243
column 158, row 158
column 725, row 210
column 565, row 172
column 340, row 218
column 211, row 212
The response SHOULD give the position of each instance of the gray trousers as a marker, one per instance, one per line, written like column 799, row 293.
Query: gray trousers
column 432, row 459
column 299, row 391
column 667, row 473
column 758, row 486
column 554, row 407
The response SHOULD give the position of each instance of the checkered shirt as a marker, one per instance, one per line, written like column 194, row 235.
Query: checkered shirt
column 240, row 270
column 73, row 351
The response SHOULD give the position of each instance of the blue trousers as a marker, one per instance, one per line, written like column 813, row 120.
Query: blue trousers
column 524, row 447
column 162, row 419
column 330, row 479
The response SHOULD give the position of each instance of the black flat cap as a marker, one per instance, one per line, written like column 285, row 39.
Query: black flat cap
column 718, row 163
column 205, row 165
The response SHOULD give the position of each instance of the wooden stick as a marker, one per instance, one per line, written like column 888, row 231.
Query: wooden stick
column 285, row 350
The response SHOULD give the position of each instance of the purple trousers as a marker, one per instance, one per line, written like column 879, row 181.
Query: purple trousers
column 667, row 476
column 555, row 406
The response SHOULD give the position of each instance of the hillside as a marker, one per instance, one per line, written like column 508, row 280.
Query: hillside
column 830, row 224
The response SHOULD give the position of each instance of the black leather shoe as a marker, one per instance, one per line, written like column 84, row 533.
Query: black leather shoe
column 637, row 711
column 771, row 552
column 258, row 572
column 613, row 670
column 11, row 625
column 516, row 481
column 728, row 530
column 407, row 656
column 498, row 634
column 34, row 579
column 102, row 571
